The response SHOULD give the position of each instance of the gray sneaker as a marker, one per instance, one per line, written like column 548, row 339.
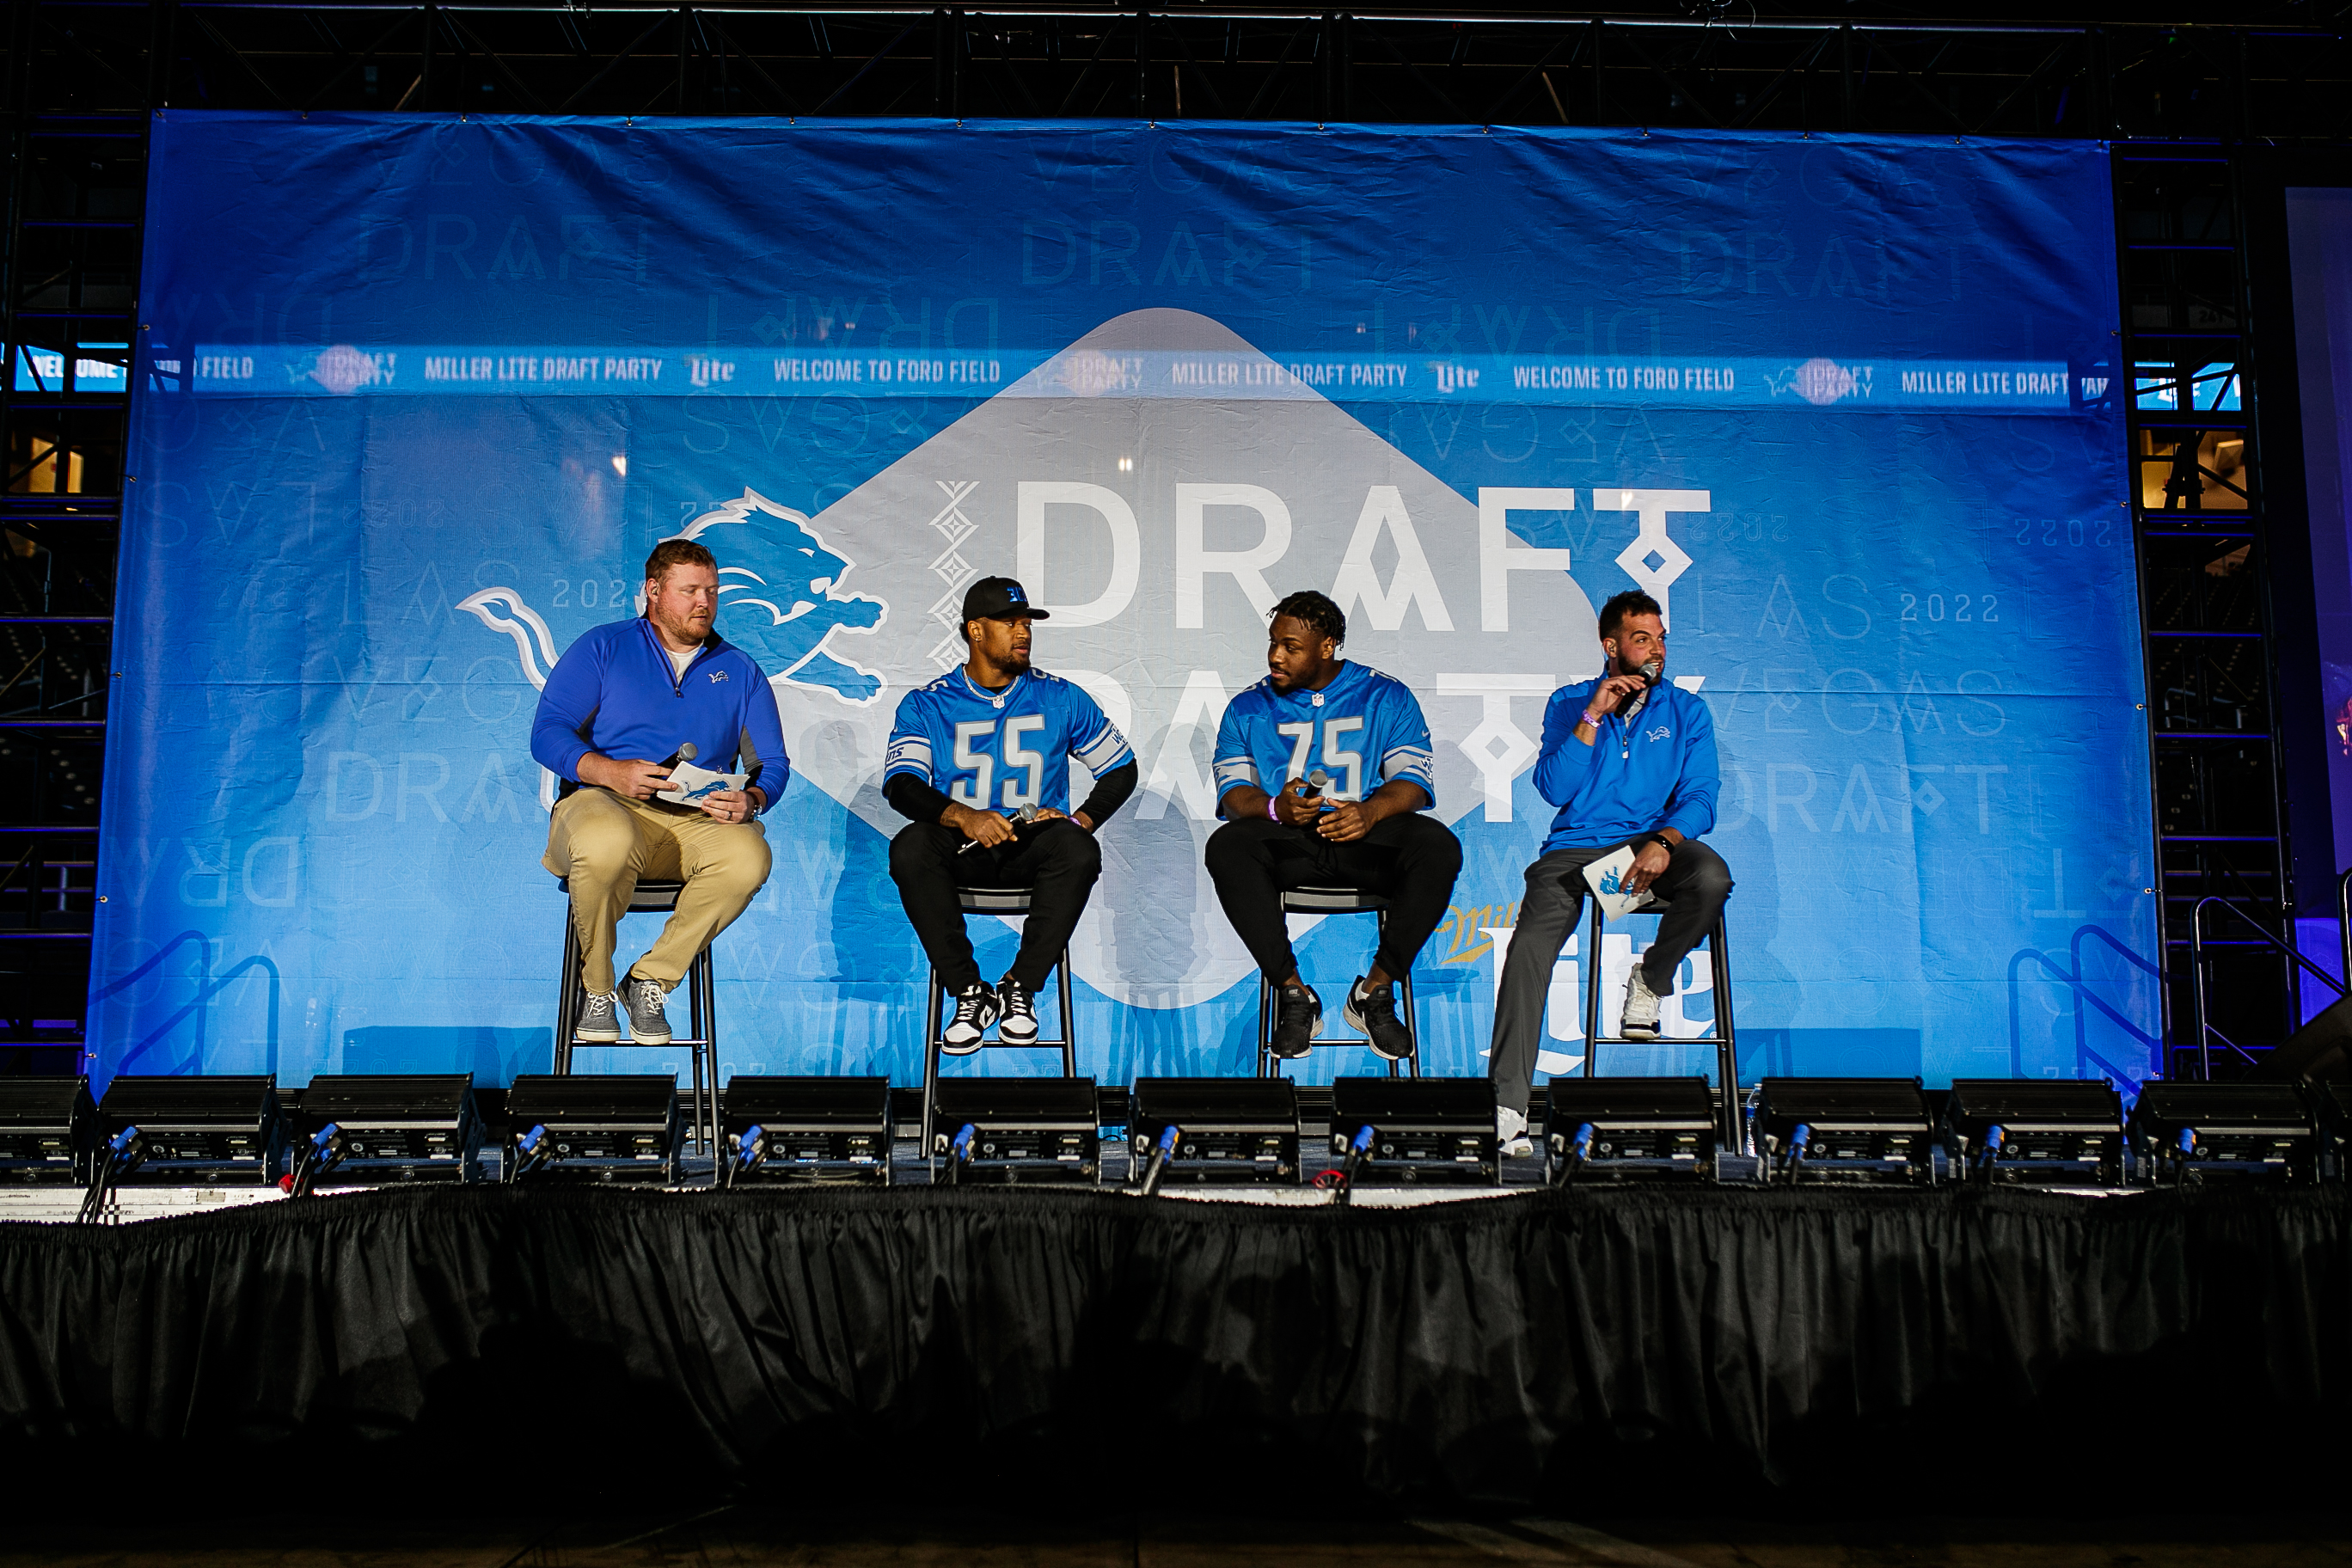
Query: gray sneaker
column 597, row 1019
column 649, row 1025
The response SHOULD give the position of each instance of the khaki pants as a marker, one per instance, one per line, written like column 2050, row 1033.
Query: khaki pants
column 604, row 842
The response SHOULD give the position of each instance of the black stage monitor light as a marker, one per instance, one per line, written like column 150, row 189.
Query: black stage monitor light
column 805, row 1130
column 420, row 1126
column 2320, row 1052
column 48, row 1130
column 2228, row 1132
column 610, row 1127
column 2334, row 1101
column 1846, row 1129
column 1424, row 1128
column 2046, row 1131
column 1022, row 1129
column 1629, row 1129
column 199, row 1132
column 1228, row 1129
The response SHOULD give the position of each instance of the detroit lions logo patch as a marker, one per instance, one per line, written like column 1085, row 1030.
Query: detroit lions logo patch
column 1661, row 733
column 717, row 676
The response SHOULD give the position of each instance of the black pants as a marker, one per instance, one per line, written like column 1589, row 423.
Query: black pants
column 1409, row 859
column 1059, row 861
column 1695, row 884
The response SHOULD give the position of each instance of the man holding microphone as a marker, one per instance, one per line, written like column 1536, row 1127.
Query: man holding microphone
column 1629, row 759
column 620, row 708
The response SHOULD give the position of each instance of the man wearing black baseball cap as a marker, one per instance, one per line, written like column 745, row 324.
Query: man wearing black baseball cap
column 976, row 750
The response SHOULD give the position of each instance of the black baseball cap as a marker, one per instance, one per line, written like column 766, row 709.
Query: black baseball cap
column 992, row 598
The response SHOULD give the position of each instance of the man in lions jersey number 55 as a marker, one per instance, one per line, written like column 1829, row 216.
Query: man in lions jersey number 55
column 967, row 754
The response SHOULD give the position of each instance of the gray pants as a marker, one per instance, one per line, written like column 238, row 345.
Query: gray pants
column 1695, row 883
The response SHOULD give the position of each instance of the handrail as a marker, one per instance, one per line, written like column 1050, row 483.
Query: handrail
column 2344, row 920
column 2206, row 1032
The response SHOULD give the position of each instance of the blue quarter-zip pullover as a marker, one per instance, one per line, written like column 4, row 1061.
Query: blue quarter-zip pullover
column 616, row 691
column 1658, row 771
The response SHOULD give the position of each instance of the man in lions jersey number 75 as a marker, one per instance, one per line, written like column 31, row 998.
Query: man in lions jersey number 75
column 967, row 753
column 1315, row 713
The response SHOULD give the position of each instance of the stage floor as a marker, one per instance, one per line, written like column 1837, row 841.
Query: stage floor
column 58, row 1205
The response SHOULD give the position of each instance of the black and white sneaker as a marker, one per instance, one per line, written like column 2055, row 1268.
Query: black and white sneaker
column 1016, row 1020
column 1511, row 1134
column 1640, row 1019
column 596, row 1020
column 1371, row 1009
column 1298, row 1013
column 975, row 1011
column 649, row 1025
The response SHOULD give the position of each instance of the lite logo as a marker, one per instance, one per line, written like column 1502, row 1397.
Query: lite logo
column 1660, row 733
column 717, row 676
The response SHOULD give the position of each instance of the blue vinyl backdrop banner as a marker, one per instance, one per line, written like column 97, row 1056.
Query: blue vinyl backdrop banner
column 416, row 395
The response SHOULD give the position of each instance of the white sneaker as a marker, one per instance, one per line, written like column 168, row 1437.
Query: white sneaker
column 1640, row 1021
column 1511, row 1132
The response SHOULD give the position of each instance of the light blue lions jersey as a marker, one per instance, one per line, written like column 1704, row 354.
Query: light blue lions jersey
column 1000, row 751
column 1363, row 730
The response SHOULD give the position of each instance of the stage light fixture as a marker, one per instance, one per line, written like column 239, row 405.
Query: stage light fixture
column 1227, row 1129
column 2008, row 1131
column 394, row 1128
column 1015, row 1130
column 198, row 1131
column 2185, row 1132
column 1629, row 1129
column 1423, row 1130
column 48, row 1130
column 615, row 1127
column 794, row 1129
column 1867, row 1130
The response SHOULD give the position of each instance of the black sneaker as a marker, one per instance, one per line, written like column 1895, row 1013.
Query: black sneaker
column 975, row 1011
column 1371, row 1008
column 649, row 1025
column 596, row 1020
column 1298, row 1013
column 1016, row 1023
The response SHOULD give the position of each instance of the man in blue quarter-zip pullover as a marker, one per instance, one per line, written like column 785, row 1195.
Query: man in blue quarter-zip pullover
column 1629, row 758
column 1323, row 773
column 617, row 710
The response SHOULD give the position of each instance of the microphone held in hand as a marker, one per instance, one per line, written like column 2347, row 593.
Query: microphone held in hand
column 1021, row 819
column 1316, row 781
column 1651, row 670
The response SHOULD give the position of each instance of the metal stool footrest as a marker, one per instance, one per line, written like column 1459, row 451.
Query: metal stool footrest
column 1724, row 1036
column 994, row 901
column 1335, row 902
column 701, row 1041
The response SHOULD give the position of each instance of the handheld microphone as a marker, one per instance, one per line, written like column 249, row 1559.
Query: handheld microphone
column 1021, row 819
column 1315, row 783
column 685, row 753
column 1651, row 670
